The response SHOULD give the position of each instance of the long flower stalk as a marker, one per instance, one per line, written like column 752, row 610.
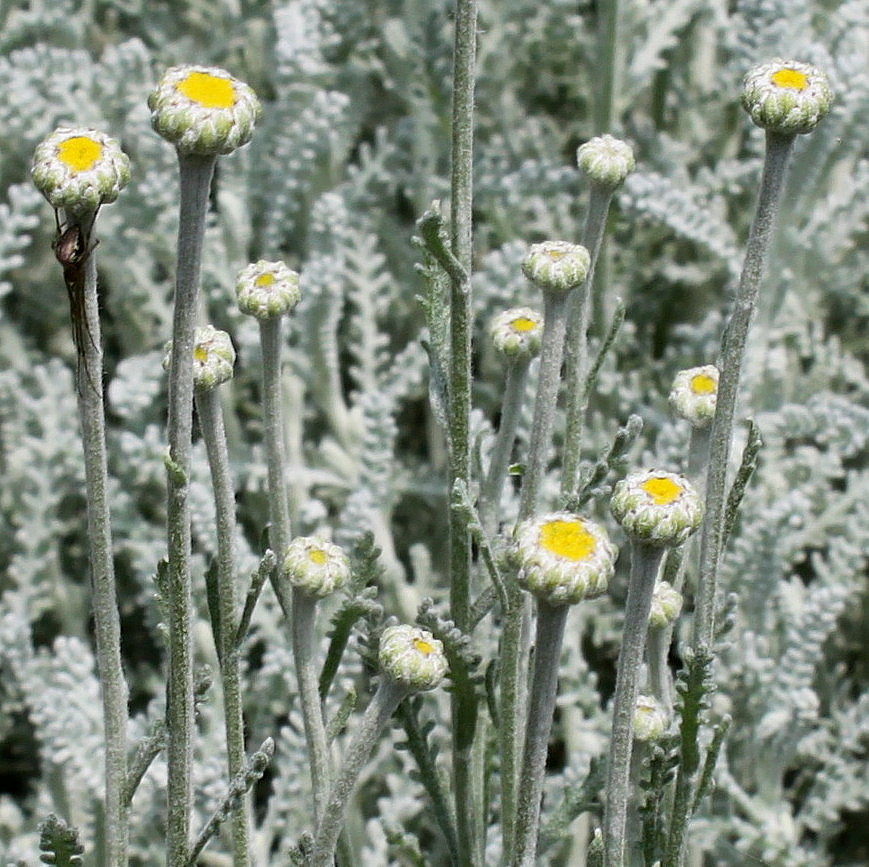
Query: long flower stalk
column 461, row 241
column 196, row 172
column 778, row 151
column 107, row 629
column 211, row 424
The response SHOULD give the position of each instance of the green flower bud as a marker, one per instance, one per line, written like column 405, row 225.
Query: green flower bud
column 650, row 719
column 564, row 558
column 316, row 567
column 79, row 169
column 694, row 394
column 517, row 332
column 666, row 605
column 656, row 508
column 267, row 289
column 203, row 110
column 606, row 160
column 213, row 357
column 556, row 266
column 786, row 96
column 412, row 657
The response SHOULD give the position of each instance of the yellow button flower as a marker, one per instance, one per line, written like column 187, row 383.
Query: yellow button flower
column 786, row 96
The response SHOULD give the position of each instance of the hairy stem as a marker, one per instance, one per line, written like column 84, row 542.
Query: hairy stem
column 541, row 707
column 211, row 423
column 576, row 348
column 511, row 410
column 303, row 620
column 461, row 238
column 273, row 432
column 645, row 560
column 107, row 628
column 381, row 707
column 778, row 151
column 196, row 173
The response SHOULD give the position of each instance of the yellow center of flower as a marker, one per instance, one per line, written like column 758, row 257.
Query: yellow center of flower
column 663, row 491
column 790, row 78
column 422, row 646
column 264, row 279
column 208, row 90
column 79, row 152
column 523, row 324
column 567, row 539
column 702, row 384
column 200, row 353
column 555, row 255
column 317, row 556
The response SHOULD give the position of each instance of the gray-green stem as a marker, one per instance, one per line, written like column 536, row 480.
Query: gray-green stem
column 778, row 151
column 511, row 410
column 552, row 352
column 541, row 707
column 461, row 242
column 211, row 424
column 304, row 639
column 386, row 699
column 645, row 560
column 196, row 173
column 579, row 310
column 107, row 629
column 273, row 433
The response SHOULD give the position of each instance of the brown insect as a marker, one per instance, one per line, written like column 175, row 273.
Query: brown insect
column 72, row 248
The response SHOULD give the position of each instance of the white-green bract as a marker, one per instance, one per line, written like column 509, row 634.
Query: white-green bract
column 786, row 96
column 267, row 289
column 556, row 266
column 412, row 657
column 315, row 566
column 213, row 357
column 79, row 169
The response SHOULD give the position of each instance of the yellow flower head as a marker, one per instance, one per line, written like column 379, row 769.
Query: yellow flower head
column 564, row 558
column 656, row 508
column 786, row 96
column 203, row 110
column 79, row 169
column 556, row 266
column 267, row 289
column 412, row 657
column 315, row 566
column 213, row 357
column 518, row 332
column 694, row 395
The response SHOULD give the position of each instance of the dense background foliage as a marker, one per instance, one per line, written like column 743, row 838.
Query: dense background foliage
column 352, row 149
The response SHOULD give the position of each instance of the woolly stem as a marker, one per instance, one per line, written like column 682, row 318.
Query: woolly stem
column 273, row 433
column 195, row 173
column 579, row 310
column 211, row 424
column 386, row 699
column 461, row 236
column 541, row 707
column 733, row 343
column 554, row 328
column 511, row 410
column 303, row 620
column 107, row 628
column 645, row 560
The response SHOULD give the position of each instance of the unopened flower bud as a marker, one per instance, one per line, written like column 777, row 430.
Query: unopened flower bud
column 694, row 394
column 517, row 333
column 316, row 567
column 564, row 558
column 656, row 508
column 606, row 160
column 213, row 357
column 666, row 605
column 412, row 657
column 267, row 289
column 203, row 110
column 79, row 169
column 650, row 719
column 556, row 266
column 786, row 97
